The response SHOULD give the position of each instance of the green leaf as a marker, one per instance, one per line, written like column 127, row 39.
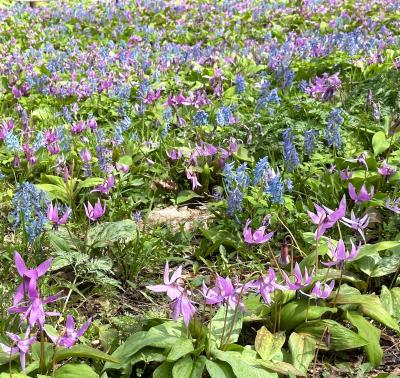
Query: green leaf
column 366, row 330
column 391, row 301
column 14, row 375
column 163, row 370
column 341, row 338
column 371, row 306
column 83, row 351
column 180, row 349
column 75, row 370
column 243, row 154
column 370, row 249
column 109, row 232
column 240, row 366
column 54, row 192
column 90, row 182
column 187, row 368
column 295, row 313
column 379, row 143
column 302, row 349
column 219, row 369
column 267, row 344
column 186, row 195
column 386, row 265
column 218, row 322
column 198, row 367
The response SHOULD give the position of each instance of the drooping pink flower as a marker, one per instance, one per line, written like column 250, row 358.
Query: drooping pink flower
column 106, row 186
column 94, row 212
column 192, row 176
column 122, row 167
column 300, row 281
column 266, row 284
column 340, row 255
column 182, row 305
column 172, row 285
column 321, row 290
column 355, row 223
column 386, row 170
column 362, row 196
column 258, row 236
column 53, row 217
column 175, row 154
column 393, row 205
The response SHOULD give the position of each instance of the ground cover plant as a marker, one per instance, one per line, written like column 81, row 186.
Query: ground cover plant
column 199, row 188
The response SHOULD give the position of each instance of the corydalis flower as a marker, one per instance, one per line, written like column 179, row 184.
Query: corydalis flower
column 362, row 196
column 29, row 276
column 53, row 216
column 321, row 290
column 172, row 286
column 258, row 236
column 340, row 255
column 22, row 347
column 300, row 281
column 94, row 212
column 326, row 218
column 70, row 336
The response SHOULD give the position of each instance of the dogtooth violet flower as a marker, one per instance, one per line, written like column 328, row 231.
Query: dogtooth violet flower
column 172, row 285
column 266, row 284
column 29, row 276
column 362, row 196
column 300, row 281
column 70, row 336
column 53, row 216
column 321, row 290
column 340, row 254
column 326, row 218
column 22, row 346
column 94, row 212
column 182, row 305
column 355, row 223
column 258, row 236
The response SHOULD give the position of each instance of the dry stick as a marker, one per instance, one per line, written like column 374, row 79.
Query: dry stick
column 316, row 352
column 293, row 238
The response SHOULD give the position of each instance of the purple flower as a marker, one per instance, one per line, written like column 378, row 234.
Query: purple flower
column 22, row 346
column 175, row 154
column 191, row 175
column 78, row 127
column 393, row 205
column 70, row 336
column 94, row 212
column 266, row 284
column 92, row 123
column 326, row 218
column 85, row 155
column 122, row 167
column 362, row 196
column 345, row 174
column 34, row 313
column 256, row 237
column 172, row 286
column 358, row 224
column 340, row 254
column 386, row 170
column 106, row 186
column 52, row 215
column 321, row 290
column 183, row 306
column 29, row 276
column 300, row 281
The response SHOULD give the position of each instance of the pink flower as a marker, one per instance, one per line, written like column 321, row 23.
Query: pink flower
column 183, row 306
column 175, row 154
column 340, row 255
column 322, row 291
column 52, row 215
column 122, row 167
column 94, row 212
column 362, row 196
column 258, row 236
column 172, row 286
column 300, row 281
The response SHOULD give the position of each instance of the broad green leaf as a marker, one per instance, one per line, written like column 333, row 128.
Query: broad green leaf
column 198, row 367
column 386, row 265
column 90, row 182
column 54, row 192
column 302, row 349
column 186, row 195
column 369, row 249
column 341, row 338
column 187, row 368
column 83, row 351
column 240, row 366
column 75, row 370
column 233, row 325
column 243, row 154
column 163, row 370
column 267, row 344
column 14, row 375
column 371, row 306
column 369, row 332
column 180, row 349
column 379, row 143
column 219, row 369
column 295, row 313
column 105, row 233
column 391, row 301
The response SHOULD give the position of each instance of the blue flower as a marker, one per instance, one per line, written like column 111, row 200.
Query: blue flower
column 260, row 170
column 289, row 150
column 200, row 118
column 309, row 143
column 332, row 133
column 240, row 84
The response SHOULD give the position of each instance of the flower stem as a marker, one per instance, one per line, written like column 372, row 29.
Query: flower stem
column 293, row 238
column 42, row 363
column 338, row 289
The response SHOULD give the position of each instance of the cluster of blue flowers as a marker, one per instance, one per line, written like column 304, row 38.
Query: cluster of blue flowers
column 240, row 84
column 332, row 133
column 289, row 150
column 224, row 115
column 200, row 118
column 309, row 141
column 30, row 206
